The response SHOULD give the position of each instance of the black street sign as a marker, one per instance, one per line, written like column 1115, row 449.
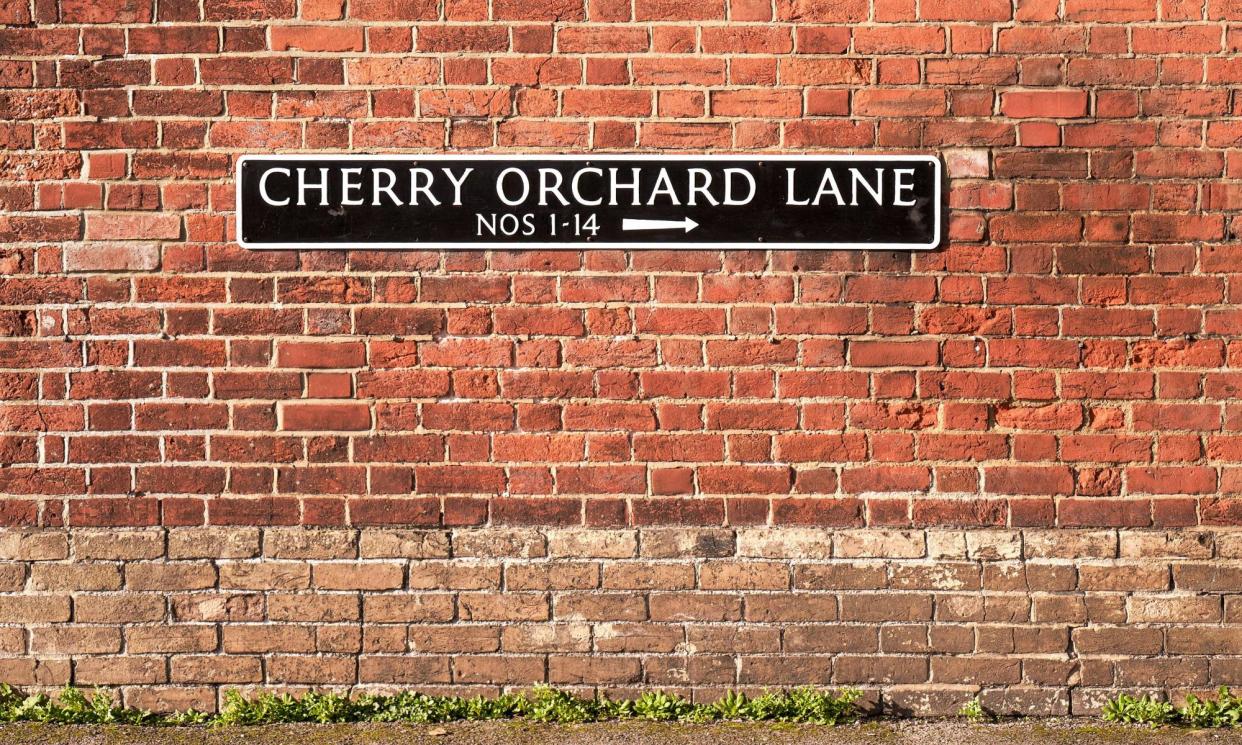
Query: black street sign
column 598, row 201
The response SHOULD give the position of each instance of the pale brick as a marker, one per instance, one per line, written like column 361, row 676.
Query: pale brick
column 152, row 576
column 30, row 609
column 560, row 575
column 880, row 544
column 407, row 608
column 676, row 543
column 172, row 638
column 43, row 545
column 1173, row 609
column 744, row 575
column 403, row 544
column 994, row 545
column 785, row 543
column 119, row 607
column 359, row 576
column 1069, row 544
column 509, row 607
column 588, row 544
column 170, row 698
column 113, row 670
column 546, row 638
column 297, row 543
column 515, row 543
column 199, row 669
column 118, row 544
column 48, row 577
column 454, row 575
column 1185, row 544
column 264, row 575
column 66, row 640
column 213, row 543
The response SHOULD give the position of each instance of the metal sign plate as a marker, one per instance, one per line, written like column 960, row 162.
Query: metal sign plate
column 881, row 202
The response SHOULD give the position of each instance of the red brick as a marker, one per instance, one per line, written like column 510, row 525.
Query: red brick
column 960, row 10
column 1044, row 104
column 879, row 102
column 1037, row 480
column 110, row 11
column 316, row 38
column 321, row 355
column 325, row 416
column 893, row 353
column 120, row 226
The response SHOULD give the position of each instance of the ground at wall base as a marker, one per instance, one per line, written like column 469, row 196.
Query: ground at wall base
column 902, row 732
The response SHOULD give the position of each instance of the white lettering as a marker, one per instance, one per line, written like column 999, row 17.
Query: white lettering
column 457, row 183
column 377, row 188
column 828, row 185
column 728, row 195
column 700, row 180
column 420, row 183
column 321, row 187
column 856, row 178
column 263, row 187
column 663, row 186
column 550, row 183
column 789, row 189
column 632, row 187
column 351, row 181
column 900, row 185
column 500, row 186
column 482, row 222
column 573, row 187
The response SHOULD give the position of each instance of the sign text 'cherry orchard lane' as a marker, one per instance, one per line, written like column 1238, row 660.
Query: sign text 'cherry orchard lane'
column 600, row 201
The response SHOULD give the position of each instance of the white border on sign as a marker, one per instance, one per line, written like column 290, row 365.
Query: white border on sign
column 580, row 245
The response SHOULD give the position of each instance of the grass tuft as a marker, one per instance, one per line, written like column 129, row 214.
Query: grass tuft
column 540, row 704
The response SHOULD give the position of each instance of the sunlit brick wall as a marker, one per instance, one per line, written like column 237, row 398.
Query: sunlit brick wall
column 1010, row 465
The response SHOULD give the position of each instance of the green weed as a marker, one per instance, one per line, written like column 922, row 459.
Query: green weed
column 1223, row 711
column 540, row 704
column 70, row 707
column 546, row 704
column 1127, row 709
column 973, row 711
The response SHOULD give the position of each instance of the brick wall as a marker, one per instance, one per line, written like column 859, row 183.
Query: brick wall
column 1011, row 465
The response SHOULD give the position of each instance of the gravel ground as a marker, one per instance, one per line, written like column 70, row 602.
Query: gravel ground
column 913, row 732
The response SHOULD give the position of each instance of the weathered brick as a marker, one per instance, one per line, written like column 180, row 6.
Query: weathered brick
column 233, row 669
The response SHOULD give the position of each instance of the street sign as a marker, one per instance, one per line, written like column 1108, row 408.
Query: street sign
column 882, row 202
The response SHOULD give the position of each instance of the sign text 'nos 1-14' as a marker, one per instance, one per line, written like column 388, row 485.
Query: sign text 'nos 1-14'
column 601, row 201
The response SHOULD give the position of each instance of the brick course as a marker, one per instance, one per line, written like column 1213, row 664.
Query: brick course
column 1038, row 621
column 1011, row 465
